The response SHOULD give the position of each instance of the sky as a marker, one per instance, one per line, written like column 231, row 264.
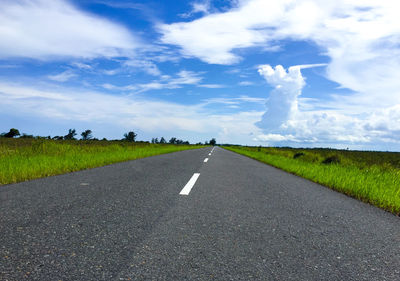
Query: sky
column 305, row 73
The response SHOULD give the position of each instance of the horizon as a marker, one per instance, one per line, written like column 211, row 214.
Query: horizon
column 304, row 74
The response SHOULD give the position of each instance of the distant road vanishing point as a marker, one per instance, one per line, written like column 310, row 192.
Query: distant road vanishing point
column 179, row 216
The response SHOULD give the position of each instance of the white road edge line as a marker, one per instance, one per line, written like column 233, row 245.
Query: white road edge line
column 205, row 160
column 188, row 187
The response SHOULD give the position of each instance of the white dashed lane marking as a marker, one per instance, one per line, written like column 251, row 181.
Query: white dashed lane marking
column 188, row 187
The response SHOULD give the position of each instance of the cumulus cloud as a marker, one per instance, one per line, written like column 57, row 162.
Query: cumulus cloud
column 282, row 103
column 360, row 37
column 42, row 29
column 284, row 122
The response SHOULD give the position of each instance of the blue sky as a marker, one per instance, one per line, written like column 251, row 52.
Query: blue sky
column 299, row 73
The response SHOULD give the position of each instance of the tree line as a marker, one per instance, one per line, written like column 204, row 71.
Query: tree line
column 88, row 135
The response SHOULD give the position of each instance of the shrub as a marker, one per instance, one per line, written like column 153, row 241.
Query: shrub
column 334, row 159
column 297, row 155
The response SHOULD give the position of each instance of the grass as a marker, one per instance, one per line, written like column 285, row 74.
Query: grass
column 26, row 159
column 373, row 177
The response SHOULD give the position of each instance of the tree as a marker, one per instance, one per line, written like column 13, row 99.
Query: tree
column 130, row 136
column 213, row 141
column 71, row 134
column 12, row 133
column 87, row 135
column 172, row 141
column 162, row 140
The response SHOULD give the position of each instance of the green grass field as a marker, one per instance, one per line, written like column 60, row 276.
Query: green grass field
column 372, row 177
column 26, row 159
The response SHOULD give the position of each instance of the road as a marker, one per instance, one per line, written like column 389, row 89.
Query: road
column 152, row 219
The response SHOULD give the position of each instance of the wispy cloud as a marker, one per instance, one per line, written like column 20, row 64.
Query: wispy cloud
column 234, row 101
column 41, row 29
column 212, row 86
column 63, row 76
column 202, row 7
column 70, row 106
column 181, row 79
column 372, row 26
column 143, row 65
column 246, row 83
column 81, row 65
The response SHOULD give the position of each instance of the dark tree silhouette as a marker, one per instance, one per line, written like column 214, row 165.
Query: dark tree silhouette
column 162, row 140
column 12, row 133
column 213, row 141
column 71, row 134
column 58, row 138
column 87, row 135
column 172, row 141
column 130, row 136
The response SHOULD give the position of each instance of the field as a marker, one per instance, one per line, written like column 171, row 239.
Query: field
column 373, row 177
column 26, row 159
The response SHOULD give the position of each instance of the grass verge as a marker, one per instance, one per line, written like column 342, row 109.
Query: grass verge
column 377, row 184
column 26, row 159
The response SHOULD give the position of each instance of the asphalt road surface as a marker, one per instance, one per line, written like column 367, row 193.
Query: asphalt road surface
column 180, row 217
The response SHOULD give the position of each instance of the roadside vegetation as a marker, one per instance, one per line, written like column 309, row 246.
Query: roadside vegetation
column 373, row 177
column 28, row 157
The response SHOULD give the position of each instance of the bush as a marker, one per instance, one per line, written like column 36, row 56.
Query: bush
column 334, row 159
column 297, row 155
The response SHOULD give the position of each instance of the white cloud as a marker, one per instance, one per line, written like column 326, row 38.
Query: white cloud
column 63, row 76
column 74, row 106
column 245, row 83
column 81, row 65
column 234, row 101
column 143, row 65
column 284, row 122
column 361, row 38
column 275, row 138
column 111, row 71
column 182, row 78
column 212, row 38
column 282, row 103
column 198, row 7
column 211, row 86
column 41, row 29
column 355, row 34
